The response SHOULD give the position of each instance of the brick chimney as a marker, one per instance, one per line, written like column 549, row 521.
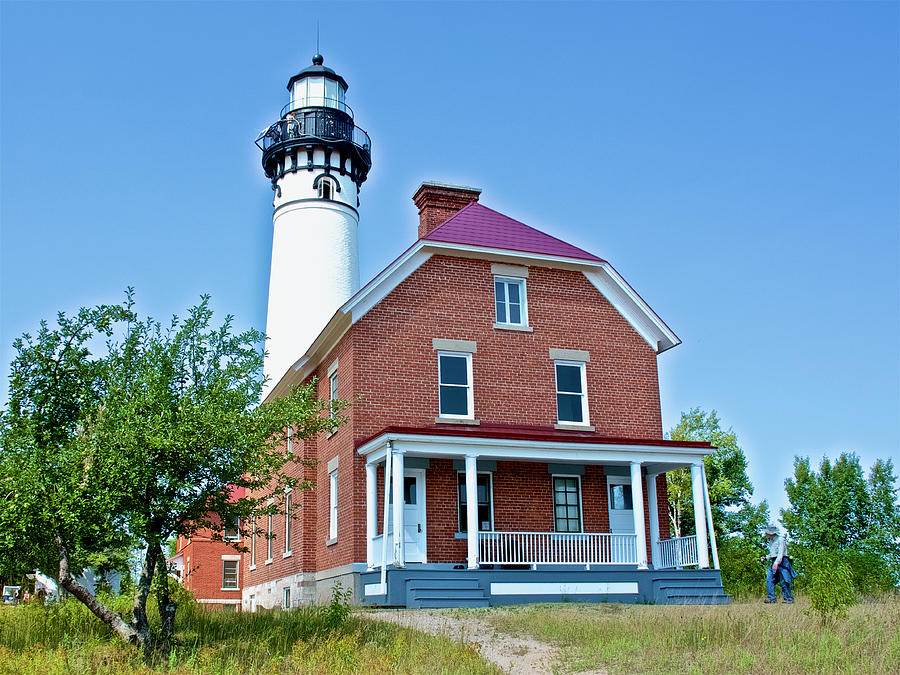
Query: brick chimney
column 438, row 201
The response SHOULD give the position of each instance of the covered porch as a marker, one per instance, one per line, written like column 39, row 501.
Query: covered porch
column 545, row 504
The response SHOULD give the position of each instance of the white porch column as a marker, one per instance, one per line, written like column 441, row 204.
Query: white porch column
column 399, row 548
column 371, row 512
column 472, row 510
column 654, row 519
column 699, row 514
column 637, row 503
column 709, row 522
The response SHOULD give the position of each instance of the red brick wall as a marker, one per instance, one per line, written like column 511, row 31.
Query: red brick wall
column 388, row 368
column 203, row 568
column 396, row 366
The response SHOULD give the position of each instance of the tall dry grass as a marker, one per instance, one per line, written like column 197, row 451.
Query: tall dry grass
column 37, row 640
column 746, row 637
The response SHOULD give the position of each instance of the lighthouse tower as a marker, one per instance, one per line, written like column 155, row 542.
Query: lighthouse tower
column 317, row 159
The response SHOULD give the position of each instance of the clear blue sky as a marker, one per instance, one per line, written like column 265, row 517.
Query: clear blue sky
column 736, row 162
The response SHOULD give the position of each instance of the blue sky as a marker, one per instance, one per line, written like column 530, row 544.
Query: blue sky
column 736, row 162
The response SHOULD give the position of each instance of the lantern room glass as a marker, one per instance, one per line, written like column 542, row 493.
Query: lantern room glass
column 321, row 92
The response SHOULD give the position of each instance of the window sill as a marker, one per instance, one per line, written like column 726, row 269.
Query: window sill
column 252, row 567
column 331, row 542
column 287, row 555
column 573, row 427
column 268, row 562
column 456, row 420
column 513, row 326
column 229, row 589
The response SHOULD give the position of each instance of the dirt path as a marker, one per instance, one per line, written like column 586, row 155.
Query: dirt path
column 515, row 655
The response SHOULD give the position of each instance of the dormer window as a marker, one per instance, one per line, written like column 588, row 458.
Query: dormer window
column 509, row 301
column 326, row 188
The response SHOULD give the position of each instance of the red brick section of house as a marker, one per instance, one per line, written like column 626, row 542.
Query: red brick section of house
column 204, row 570
column 387, row 366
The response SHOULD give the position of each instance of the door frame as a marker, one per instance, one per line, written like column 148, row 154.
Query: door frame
column 618, row 480
column 419, row 475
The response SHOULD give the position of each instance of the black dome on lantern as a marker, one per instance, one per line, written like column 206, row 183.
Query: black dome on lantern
column 318, row 69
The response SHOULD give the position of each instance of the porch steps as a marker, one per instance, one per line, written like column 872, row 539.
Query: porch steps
column 437, row 592
column 690, row 589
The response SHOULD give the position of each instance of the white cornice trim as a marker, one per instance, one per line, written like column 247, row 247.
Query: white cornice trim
column 515, row 449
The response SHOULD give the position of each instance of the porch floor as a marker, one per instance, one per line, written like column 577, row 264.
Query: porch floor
column 440, row 585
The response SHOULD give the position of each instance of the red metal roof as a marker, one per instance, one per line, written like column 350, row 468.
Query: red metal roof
column 477, row 225
column 522, row 432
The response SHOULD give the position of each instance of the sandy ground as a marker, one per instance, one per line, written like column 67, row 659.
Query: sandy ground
column 515, row 655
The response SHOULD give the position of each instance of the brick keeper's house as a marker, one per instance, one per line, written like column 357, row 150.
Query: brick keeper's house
column 505, row 400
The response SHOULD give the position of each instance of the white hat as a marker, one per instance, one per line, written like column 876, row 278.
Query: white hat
column 771, row 529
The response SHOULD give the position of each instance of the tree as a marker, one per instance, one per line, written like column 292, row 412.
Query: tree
column 726, row 472
column 140, row 444
column 837, row 509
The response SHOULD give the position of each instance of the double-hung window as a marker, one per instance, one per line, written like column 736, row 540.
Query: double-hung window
column 253, row 542
column 332, row 505
column 455, row 385
column 571, row 393
column 483, row 494
column 509, row 301
column 229, row 574
column 287, row 523
column 232, row 531
column 567, row 503
column 269, row 540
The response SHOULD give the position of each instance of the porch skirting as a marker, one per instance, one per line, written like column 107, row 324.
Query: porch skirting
column 436, row 585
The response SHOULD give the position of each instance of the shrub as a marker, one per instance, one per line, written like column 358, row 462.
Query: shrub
column 830, row 586
column 742, row 574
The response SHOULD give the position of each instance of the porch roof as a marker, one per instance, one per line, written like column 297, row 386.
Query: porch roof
column 529, row 443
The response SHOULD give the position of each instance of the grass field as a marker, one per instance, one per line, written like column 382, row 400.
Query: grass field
column 746, row 637
column 36, row 640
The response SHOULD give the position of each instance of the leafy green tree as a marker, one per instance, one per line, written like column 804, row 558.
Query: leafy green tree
column 140, row 444
column 726, row 473
column 837, row 509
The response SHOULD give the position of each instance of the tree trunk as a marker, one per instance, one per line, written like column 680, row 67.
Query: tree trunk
column 167, row 606
column 106, row 615
column 139, row 619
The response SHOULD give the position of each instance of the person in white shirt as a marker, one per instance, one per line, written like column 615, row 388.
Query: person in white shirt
column 780, row 571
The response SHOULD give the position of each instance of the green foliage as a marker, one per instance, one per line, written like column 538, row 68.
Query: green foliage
column 338, row 610
column 141, row 442
column 868, row 573
column 830, row 586
column 726, row 473
column 742, row 574
column 837, row 509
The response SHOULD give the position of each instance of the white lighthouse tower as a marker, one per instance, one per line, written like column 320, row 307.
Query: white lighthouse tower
column 317, row 159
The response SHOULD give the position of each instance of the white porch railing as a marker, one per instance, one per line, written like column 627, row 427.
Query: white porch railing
column 556, row 548
column 678, row 552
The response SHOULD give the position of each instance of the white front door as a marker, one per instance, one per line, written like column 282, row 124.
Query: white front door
column 414, row 531
column 621, row 509
column 414, row 515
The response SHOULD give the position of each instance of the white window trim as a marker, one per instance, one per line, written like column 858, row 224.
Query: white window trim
column 470, row 389
column 253, row 543
column 286, row 595
column 580, row 500
column 490, row 475
column 269, row 540
column 290, row 440
column 586, row 419
column 332, row 507
column 288, row 530
column 523, row 296
column 237, row 527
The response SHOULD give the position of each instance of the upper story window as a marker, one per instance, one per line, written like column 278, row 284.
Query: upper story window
column 232, row 531
column 571, row 393
column 326, row 188
column 509, row 301
column 288, row 522
column 455, row 384
column 332, row 505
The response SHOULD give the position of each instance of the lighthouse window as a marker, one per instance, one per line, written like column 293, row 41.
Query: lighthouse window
column 326, row 189
column 509, row 301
